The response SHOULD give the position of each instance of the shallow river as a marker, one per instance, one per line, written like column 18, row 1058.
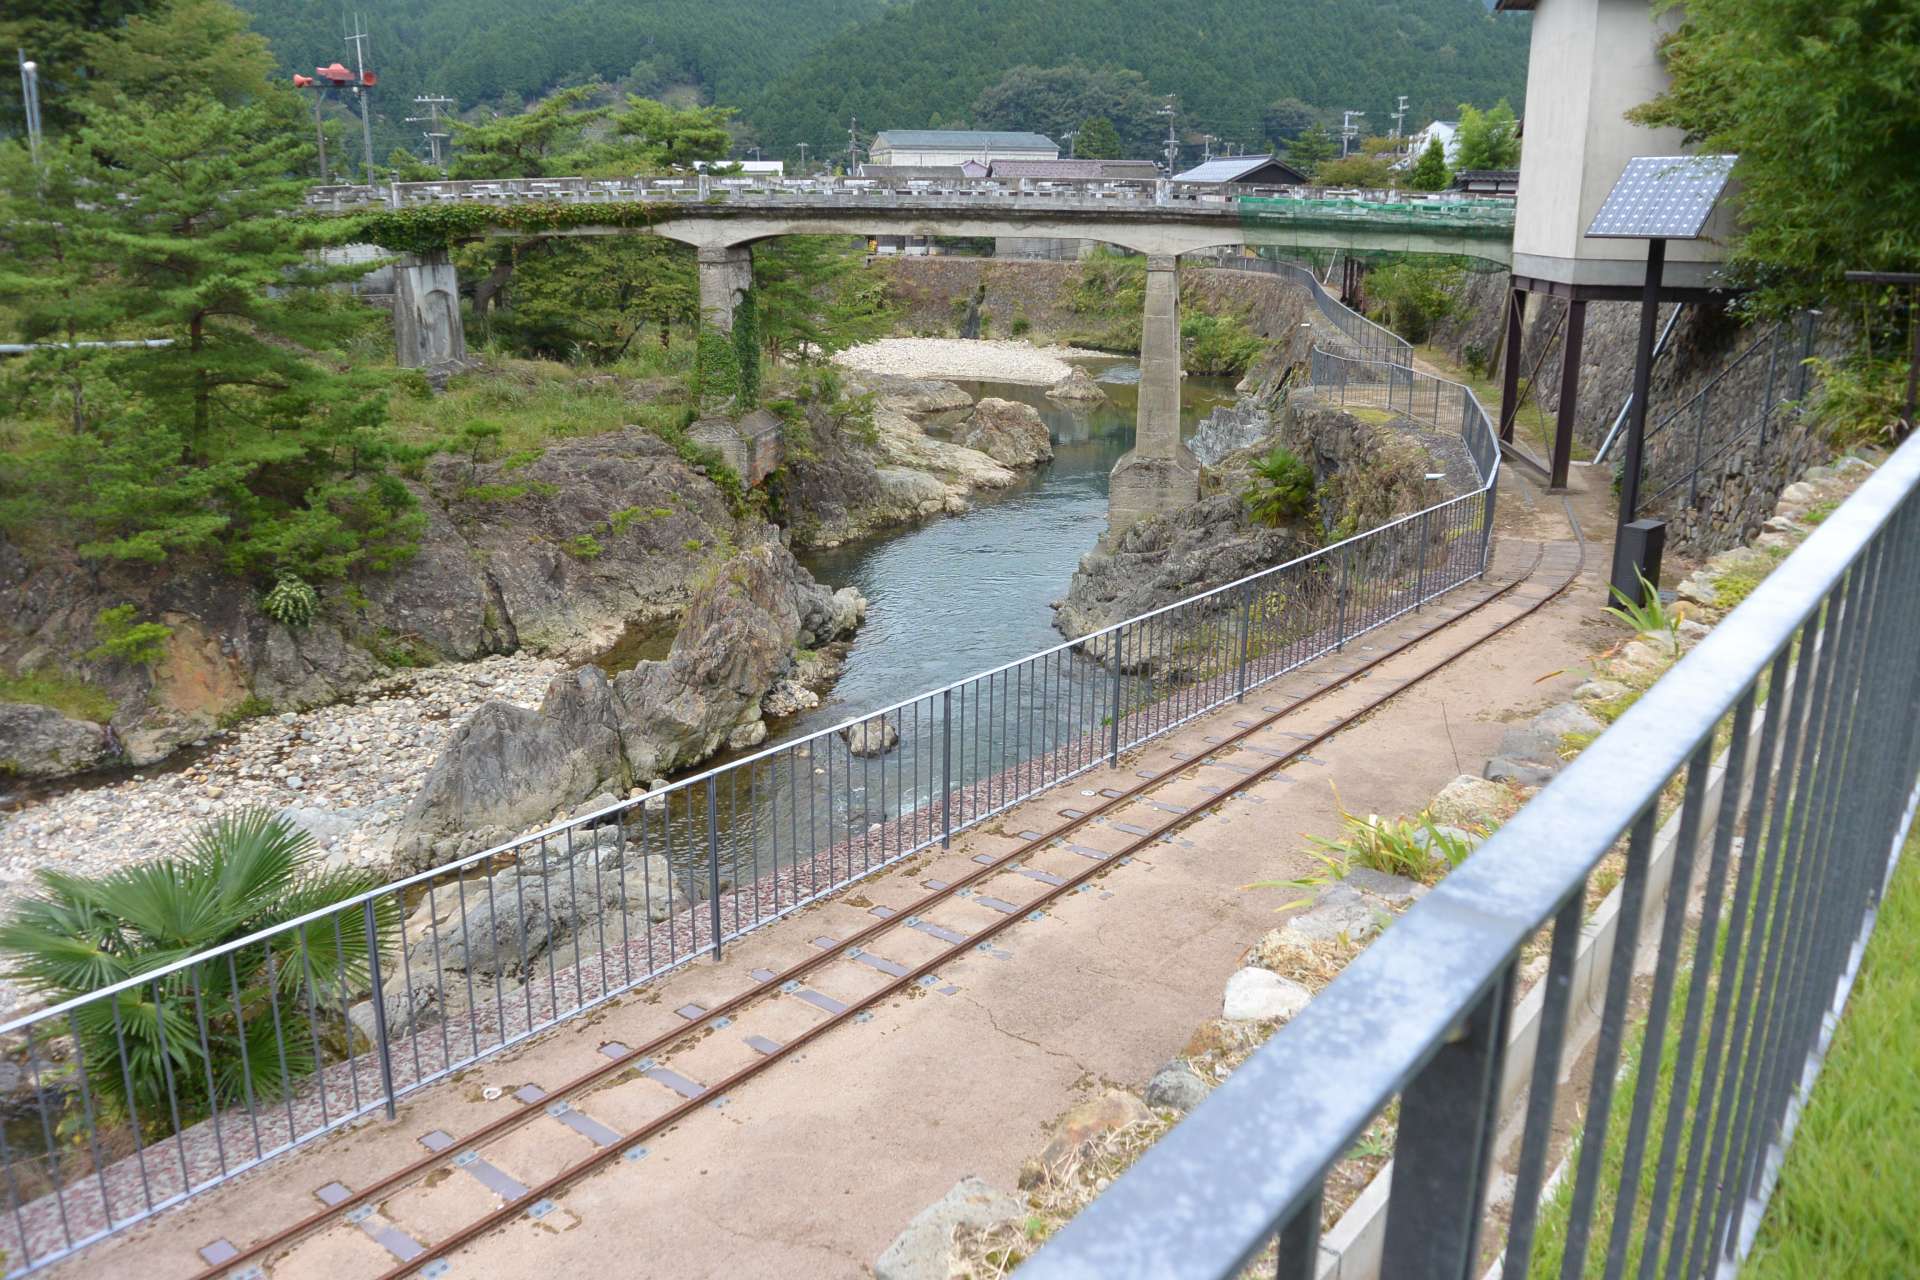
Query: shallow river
column 949, row 598
column 963, row 594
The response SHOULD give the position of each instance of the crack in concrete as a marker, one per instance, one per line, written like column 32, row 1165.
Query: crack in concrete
column 832, row 1250
column 1026, row 1040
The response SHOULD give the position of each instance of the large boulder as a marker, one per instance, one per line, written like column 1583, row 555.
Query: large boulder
column 873, row 737
column 919, row 396
column 735, row 641
column 1077, row 387
column 509, row 766
column 39, row 742
column 1011, row 433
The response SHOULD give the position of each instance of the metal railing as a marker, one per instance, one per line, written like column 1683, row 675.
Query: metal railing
column 164, row 1085
column 1256, row 204
column 1756, row 798
column 1765, row 383
column 1352, row 330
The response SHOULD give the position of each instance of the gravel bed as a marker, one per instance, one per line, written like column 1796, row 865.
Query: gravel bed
column 985, row 359
column 345, row 770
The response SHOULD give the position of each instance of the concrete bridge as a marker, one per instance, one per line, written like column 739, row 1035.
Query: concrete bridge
column 722, row 219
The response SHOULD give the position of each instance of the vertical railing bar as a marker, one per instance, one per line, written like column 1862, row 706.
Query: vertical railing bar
column 90, row 1116
column 466, row 933
column 1705, row 947
column 166, row 1074
column 206, row 1063
column 1298, row 1251
column 1543, row 1089
column 246, row 1061
column 279, row 1043
column 133, row 1109
column 1764, row 941
column 1613, row 1016
column 1653, row 1034
column 1727, row 1033
column 53, row 1147
column 382, row 1045
column 713, row 860
column 346, row 1020
column 1797, row 879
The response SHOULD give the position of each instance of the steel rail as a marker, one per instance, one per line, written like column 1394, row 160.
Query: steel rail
column 666, row 1041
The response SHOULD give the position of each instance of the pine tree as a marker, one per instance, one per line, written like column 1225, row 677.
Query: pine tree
column 812, row 298
column 1430, row 170
column 1314, row 147
column 234, row 438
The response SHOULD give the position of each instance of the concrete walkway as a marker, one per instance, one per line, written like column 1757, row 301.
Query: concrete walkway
column 812, row 1168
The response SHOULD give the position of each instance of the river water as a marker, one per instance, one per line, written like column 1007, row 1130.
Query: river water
column 948, row 598
column 966, row 593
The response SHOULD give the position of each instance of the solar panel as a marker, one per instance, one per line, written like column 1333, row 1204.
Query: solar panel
column 1662, row 198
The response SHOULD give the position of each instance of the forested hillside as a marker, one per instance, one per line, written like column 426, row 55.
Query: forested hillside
column 500, row 53
column 927, row 63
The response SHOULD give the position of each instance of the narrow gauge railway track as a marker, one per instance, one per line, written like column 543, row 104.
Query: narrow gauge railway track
column 354, row 1205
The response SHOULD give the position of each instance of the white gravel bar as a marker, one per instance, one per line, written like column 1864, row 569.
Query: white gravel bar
column 985, row 359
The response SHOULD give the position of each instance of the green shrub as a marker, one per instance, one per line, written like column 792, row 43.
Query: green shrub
column 584, row 546
column 239, row 875
column 1862, row 400
column 1412, row 295
column 124, row 638
column 291, row 602
column 1282, row 488
column 1220, row 345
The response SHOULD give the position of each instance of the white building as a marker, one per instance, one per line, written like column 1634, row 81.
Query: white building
column 1591, row 61
column 748, row 168
column 1448, row 131
column 958, row 146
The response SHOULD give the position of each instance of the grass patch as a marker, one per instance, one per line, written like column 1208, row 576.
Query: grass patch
column 1838, row 1210
column 70, row 697
column 535, row 402
column 1832, row 1215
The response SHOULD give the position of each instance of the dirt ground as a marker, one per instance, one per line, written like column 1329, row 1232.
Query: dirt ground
column 813, row 1167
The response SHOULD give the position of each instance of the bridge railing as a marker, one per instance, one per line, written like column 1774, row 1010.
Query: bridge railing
column 1750, row 807
column 1277, row 205
column 164, row 1085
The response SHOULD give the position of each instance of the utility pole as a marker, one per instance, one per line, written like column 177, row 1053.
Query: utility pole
column 1400, row 115
column 1173, row 142
column 1206, row 143
column 1348, row 131
column 360, row 91
column 435, row 137
column 853, row 144
column 803, row 158
column 756, row 154
column 30, row 100
column 1073, row 146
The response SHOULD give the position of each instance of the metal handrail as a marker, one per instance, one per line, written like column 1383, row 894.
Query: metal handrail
column 1425, row 1012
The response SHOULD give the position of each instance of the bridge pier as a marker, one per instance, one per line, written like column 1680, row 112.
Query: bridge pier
column 726, row 274
column 1159, row 474
column 427, row 330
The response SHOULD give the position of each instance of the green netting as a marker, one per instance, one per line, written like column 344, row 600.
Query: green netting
column 1463, row 229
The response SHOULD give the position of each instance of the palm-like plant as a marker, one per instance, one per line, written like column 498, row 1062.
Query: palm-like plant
column 1282, row 488
column 245, row 1024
